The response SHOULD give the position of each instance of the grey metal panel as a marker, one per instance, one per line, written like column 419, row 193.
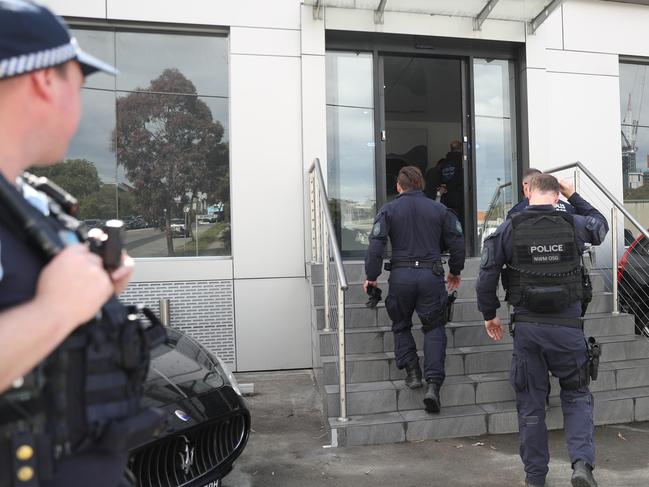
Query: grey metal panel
column 202, row 309
column 273, row 324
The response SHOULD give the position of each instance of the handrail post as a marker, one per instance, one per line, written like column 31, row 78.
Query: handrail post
column 314, row 219
column 342, row 379
column 577, row 181
column 614, row 237
column 325, row 274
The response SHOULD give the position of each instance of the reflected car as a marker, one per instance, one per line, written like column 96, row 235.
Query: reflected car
column 178, row 228
column 633, row 283
column 208, row 421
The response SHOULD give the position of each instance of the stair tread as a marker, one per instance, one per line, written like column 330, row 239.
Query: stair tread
column 494, row 347
column 463, row 411
column 462, row 324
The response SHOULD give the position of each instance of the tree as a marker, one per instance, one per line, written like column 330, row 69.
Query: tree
column 169, row 146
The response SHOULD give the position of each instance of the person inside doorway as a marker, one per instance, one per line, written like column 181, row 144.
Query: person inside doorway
column 447, row 179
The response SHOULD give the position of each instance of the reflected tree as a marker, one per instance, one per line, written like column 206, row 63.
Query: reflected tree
column 170, row 148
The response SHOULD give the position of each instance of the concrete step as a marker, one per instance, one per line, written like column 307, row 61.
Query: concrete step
column 359, row 316
column 464, row 390
column 357, row 295
column 474, row 420
column 484, row 359
column 463, row 334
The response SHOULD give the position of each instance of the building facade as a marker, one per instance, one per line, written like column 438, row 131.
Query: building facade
column 203, row 142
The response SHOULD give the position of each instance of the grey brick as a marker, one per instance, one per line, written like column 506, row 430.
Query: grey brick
column 372, row 398
column 358, row 371
column 641, row 410
column 453, row 393
column 494, row 391
column 482, row 362
column 365, row 342
column 613, row 407
column 449, row 423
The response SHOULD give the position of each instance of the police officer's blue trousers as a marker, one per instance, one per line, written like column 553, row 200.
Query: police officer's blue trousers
column 562, row 351
column 424, row 292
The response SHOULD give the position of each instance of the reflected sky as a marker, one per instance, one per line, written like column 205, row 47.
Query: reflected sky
column 101, row 44
column 202, row 59
column 349, row 79
column 491, row 87
column 93, row 138
column 350, row 153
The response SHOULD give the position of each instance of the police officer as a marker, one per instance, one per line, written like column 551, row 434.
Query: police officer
column 525, row 202
column 42, row 70
column 417, row 226
column 540, row 249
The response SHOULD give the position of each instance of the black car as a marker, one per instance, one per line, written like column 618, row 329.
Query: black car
column 208, row 421
column 633, row 282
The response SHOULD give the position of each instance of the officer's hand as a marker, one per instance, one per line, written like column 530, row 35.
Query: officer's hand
column 494, row 329
column 567, row 188
column 452, row 282
column 74, row 286
column 366, row 284
column 122, row 275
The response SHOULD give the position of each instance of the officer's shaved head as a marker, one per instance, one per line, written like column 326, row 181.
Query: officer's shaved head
column 410, row 178
column 545, row 183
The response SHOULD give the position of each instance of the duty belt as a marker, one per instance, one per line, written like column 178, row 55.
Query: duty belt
column 541, row 319
column 418, row 264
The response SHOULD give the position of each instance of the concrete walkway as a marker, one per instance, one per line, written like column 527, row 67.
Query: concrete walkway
column 288, row 449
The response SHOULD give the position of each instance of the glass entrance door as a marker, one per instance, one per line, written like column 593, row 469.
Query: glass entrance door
column 450, row 116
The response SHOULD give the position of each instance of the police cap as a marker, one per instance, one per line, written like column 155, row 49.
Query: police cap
column 33, row 38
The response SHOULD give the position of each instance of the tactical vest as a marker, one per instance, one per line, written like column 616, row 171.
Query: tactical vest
column 545, row 275
column 86, row 394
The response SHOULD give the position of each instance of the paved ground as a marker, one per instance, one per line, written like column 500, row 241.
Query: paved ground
column 288, row 449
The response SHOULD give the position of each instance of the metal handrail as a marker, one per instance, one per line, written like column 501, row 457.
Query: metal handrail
column 322, row 246
column 607, row 193
column 492, row 205
column 338, row 261
column 617, row 206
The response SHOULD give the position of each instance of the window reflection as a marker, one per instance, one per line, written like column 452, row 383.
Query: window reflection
column 101, row 44
column 350, row 146
column 495, row 149
column 157, row 158
column 203, row 60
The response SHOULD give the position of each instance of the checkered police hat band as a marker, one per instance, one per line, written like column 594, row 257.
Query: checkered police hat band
column 26, row 63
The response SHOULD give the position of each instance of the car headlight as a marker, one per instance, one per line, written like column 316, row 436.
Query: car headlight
column 228, row 373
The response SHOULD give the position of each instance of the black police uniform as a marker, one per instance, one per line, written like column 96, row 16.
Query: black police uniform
column 20, row 267
column 525, row 202
column 416, row 227
column 541, row 248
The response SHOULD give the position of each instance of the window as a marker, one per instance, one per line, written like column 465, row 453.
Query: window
column 634, row 137
column 152, row 147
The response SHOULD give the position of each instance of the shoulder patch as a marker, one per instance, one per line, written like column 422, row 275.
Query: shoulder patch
column 376, row 229
column 484, row 258
column 458, row 226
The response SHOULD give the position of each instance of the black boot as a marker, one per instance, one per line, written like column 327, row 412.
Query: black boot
column 413, row 377
column 582, row 475
column 431, row 398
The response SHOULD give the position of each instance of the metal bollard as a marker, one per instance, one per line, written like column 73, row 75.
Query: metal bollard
column 165, row 313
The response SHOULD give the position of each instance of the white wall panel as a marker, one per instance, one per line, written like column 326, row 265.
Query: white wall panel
column 274, row 42
column 273, row 324
column 538, row 117
column 78, row 8
column 584, row 124
column 548, row 36
column 582, row 62
column 611, row 27
column 277, row 14
column 266, row 166
column 313, row 32
column 417, row 24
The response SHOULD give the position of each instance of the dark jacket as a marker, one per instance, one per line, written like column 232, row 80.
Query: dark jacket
column 417, row 227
